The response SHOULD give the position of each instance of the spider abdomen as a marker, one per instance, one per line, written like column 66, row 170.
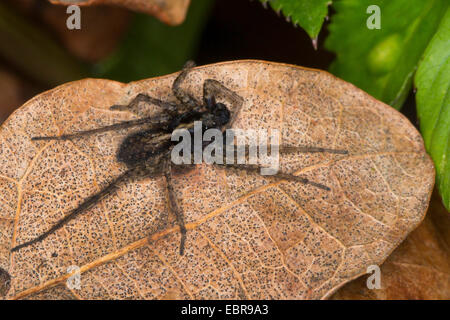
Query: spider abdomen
column 140, row 146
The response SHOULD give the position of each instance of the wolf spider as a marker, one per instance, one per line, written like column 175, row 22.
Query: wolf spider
column 146, row 153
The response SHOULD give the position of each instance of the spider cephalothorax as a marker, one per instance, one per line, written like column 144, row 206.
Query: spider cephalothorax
column 147, row 153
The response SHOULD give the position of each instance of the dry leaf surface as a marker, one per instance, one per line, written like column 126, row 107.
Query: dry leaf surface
column 172, row 12
column 418, row 269
column 248, row 236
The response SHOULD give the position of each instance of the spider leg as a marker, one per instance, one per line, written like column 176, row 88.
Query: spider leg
column 150, row 122
column 187, row 100
column 279, row 175
column 213, row 88
column 173, row 206
column 85, row 205
column 134, row 105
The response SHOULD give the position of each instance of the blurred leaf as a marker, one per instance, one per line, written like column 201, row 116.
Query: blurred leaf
column 34, row 53
column 102, row 29
column 382, row 61
column 171, row 12
column 309, row 14
column 152, row 48
column 433, row 104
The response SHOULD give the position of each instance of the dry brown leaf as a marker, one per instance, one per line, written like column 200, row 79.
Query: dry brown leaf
column 172, row 12
column 418, row 269
column 248, row 236
column 10, row 95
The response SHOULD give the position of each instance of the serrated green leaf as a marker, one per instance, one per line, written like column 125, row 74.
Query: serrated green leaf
column 152, row 48
column 382, row 61
column 433, row 104
column 309, row 14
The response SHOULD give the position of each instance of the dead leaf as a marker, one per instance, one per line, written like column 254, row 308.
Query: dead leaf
column 418, row 269
column 172, row 12
column 248, row 236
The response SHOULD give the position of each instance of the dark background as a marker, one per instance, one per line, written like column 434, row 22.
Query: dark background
column 241, row 29
column 230, row 30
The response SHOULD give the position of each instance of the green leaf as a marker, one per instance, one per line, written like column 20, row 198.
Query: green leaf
column 433, row 104
column 309, row 14
column 152, row 48
column 382, row 61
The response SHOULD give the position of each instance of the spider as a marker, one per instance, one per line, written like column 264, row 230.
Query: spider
column 147, row 153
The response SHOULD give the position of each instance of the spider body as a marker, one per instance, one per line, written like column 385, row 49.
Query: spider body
column 144, row 147
column 147, row 152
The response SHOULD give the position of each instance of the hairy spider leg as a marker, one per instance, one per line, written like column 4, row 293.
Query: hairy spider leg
column 188, row 102
column 89, row 203
column 152, row 123
column 134, row 106
column 174, row 208
column 281, row 175
column 287, row 149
